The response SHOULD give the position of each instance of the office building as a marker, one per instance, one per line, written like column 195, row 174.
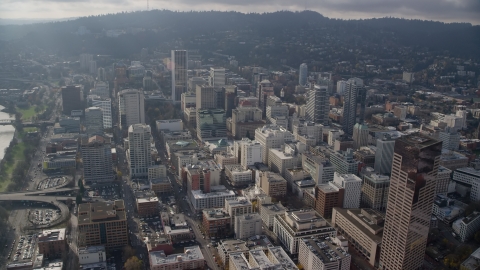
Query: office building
column 85, row 60
column 320, row 169
column 272, row 136
column 94, row 121
column 328, row 195
column 131, row 107
column 318, row 253
column 101, row 89
column 453, row 160
column 248, row 225
column 317, row 108
column 217, row 77
column 466, row 227
column 194, row 81
column 450, row 139
column 251, row 153
column 360, row 135
column 237, row 206
column 375, row 191
column 384, row 154
column 273, row 184
column 352, row 185
column 265, row 89
column 214, row 199
column 410, row 199
column 344, row 162
column 238, row 261
column 363, row 228
column 245, row 120
column 97, row 160
column 269, row 210
column 469, row 178
column 204, row 95
column 216, row 222
column 443, row 179
column 303, row 74
column 91, row 254
column 280, row 161
column 278, row 256
column 352, row 89
column 226, row 248
column 211, row 124
column 291, row 227
column 105, row 104
column 72, row 98
column 173, row 125
column 238, row 176
column 179, row 62
column 139, row 156
column 341, row 86
column 52, row 243
column 192, row 258
column 102, row 223
column 259, row 260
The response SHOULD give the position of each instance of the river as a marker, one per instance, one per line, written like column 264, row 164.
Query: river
column 6, row 132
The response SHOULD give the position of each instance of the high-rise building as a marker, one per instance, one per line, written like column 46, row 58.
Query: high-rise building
column 94, row 121
column 101, row 74
column 344, row 162
column 248, row 225
column 375, row 191
column 205, row 98
column 217, row 77
column 131, row 107
column 352, row 185
column 72, row 98
column 352, row 89
column 450, row 139
column 85, row 59
column 97, row 160
column 443, row 179
column 245, row 120
column 384, row 154
column 105, row 104
column 328, row 195
column 410, row 200
column 265, row 89
column 272, row 136
column 139, row 155
column 341, row 85
column 179, row 67
column 317, row 105
column 102, row 223
column 303, row 74
column 211, row 124
column 360, row 135
column 251, row 153
column 219, row 97
column 101, row 89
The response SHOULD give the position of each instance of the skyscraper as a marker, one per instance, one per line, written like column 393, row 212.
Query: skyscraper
column 360, row 135
column 106, row 105
column 205, row 96
column 131, row 107
column 352, row 88
column 97, row 160
column 211, row 124
column 317, row 105
column 217, row 77
column 302, row 74
column 179, row 63
column 139, row 155
column 94, row 121
column 384, row 154
column 410, row 199
column 72, row 98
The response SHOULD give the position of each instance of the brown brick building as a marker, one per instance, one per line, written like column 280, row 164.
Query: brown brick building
column 328, row 196
column 216, row 222
column 52, row 243
column 147, row 203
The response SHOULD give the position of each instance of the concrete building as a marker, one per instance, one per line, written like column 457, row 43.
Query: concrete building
column 280, row 161
column 264, row 90
column 251, row 153
column 443, row 179
column 131, row 107
column 161, row 185
column 408, row 77
column 238, row 175
column 466, row 227
column 268, row 211
column 101, row 89
column 91, row 254
column 179, row 62
column 344, row 162
column 272, row 137
column 139, row 156
column 205, row 97
column 226, row 248
column 211, row 124
column 409, row 206
column 341, row 86
column 72, row 97
column 192, row 258
column 447, row 210
column 97, row 160
column 52, row 243
column 470, row 179
column 188, row 99
column 214, row 199
column 216, row 222
column 352, row 89
column 245, row 120
column 360, row 135
column 317, row 108
column 328, row 195
column 450, row 139
column 453, row 160
column 278, row 255
column 105, row 104
column 303, row 74
column 258, row 258
column 102, row 223
column 295, row 225
column 273, row 184
column 94, row 121
column 147, row 203
column 173, row 125
column 310, row 132
column 384, row 154
column 318, row 253
column 237, row 206
column 248, row 225
column 363, row 228
column 375, row 191
column 352, row 185
column 157, row 171
column 238, row 261
column 217, row 77
column 320, row 169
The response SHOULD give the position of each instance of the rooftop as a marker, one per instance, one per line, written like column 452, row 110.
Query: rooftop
column 418, row 140
column 282, row 257
column 325, row 249
column 190, row 254
column 91, row 249
column 261, row 259
column 239, row 261
column 51, row 235
column 472, row 262
column 198, row 194
column 101, row 212
column 367, row 221
column 273, row 208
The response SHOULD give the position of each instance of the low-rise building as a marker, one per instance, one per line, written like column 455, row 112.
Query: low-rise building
column 469, row 178
column 328, row 196
column 453, row 160
column 223, row 159
column 238, row 175
column 91, row 254
column 294, row 225
column 363, row 228
column 320, row 253
column 52, row 243
column 466, row 227
column 248, row 225
column 268, row 211
column 257, row 258
column 273, row 184
column 216, row 222
column 302, row 186
column 238, row 261
column 146, row 203
column 472, row 262
column 161, row 185
column 214, row 199
column 176, row 228
column 446, row 209
column 226, row 247
column 278, row 255
column 192, row 258
column 237, row 206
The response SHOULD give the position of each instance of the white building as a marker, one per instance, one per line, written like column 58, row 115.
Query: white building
column 344, row 162
column 248, row 225
column 303, row 74
column 92, row 254
column 268, row 211
column 238, row 175
column 353, row 189
column 106, row 105
column 443, row 179
column 360, row 135
column 278, row 255
column 320, row 169
column 139, row 156
column 192, row 258
column 157, row 171
column 466, row 227
column 318, row 107
column 341, row 85
column 450, row 139
column 131, row 107
column 257, row 258
column 217, row 77
column 215, row 199
column 272, row 136
column 319, row 253
column 251, row 153
column 408, row 77
column 170, row 125
column 294, row 225
column 94, row 121
column 101, row 89
column 469, row 177
column 236, row 206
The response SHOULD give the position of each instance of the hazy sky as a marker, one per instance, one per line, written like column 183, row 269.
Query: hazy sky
column 438, row 10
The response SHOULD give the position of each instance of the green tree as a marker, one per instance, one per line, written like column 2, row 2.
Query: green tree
column 128, row 252
column 133, row 263
column 79, row 199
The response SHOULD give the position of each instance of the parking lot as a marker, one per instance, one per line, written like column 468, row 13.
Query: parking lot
column 24, row 249
column 51, row 182
column 43, row 216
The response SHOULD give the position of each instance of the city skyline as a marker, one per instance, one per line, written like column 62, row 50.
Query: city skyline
column 444, row 10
